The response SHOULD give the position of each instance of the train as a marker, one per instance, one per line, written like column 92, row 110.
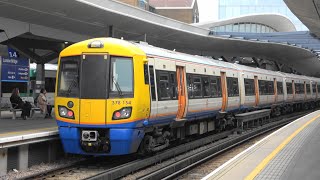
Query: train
column 116, row 97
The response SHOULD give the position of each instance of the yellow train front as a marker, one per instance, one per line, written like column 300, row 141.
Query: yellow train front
column 101, row 99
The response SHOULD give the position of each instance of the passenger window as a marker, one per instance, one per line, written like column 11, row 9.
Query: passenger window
column 206, row 86
column 314, row 87
column 249, row 87
column 214, row 87
column 279, row 88
column 197, row 90
column 289, row 88
column 173, row 85
column 164, row 89
column 189, row 85
column 232, row 86
column 308, row 88
column 270, row 87
column 152, row 84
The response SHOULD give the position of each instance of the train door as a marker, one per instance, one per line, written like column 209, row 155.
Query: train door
column 224, row 91
column 94, row 73
column 153, row 92
column 275, row 89
column 182, row 97
column 256, row 90
column 317, row 90
column 305, row 90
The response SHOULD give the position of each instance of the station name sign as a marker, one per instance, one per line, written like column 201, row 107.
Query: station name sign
column 15, row 70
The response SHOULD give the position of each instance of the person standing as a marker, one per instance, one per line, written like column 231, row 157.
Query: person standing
column 43, row 103
column 17, row 103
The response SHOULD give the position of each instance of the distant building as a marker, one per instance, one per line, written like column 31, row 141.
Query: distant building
column 143, row 4
column 181, row 10
column 231, row 9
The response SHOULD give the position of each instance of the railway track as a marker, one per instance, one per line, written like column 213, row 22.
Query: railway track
column 175, row 161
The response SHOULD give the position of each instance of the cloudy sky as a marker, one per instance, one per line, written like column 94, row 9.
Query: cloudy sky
column 208, row 10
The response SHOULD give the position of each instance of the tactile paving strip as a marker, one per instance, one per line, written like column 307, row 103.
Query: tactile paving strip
column 277, row 166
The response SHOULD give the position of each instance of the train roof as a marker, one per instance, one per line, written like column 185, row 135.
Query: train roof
column 165, row 53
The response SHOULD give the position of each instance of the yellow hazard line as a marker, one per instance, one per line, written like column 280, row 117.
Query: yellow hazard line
column 266, row 161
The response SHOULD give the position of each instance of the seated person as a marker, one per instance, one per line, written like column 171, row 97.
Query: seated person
column 43, row 103
column 17, row 103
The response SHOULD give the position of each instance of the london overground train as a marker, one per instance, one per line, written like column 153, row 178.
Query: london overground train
column 115, row 97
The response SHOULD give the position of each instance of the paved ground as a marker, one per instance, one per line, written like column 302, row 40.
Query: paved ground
column 10, row 127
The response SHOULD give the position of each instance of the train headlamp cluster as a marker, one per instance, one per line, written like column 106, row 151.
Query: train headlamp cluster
column 123, row 113
column 95, row 44
column 65, row 112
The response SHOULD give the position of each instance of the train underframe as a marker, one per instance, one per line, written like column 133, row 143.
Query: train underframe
column 159, row 137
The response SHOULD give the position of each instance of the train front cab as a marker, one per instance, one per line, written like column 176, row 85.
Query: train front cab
column 97, row 107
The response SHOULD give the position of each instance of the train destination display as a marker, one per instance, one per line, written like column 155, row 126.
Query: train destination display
column 15, row 70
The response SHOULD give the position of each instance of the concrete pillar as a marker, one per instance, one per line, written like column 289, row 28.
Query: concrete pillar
column 52, row 151
column 3, row 161
column 23, row 157
column 40, row 78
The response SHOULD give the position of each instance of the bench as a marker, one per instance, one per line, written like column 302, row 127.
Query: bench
column 7, row 106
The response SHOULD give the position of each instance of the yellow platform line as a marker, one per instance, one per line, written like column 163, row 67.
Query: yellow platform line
column 28, row 131
column 266, row 161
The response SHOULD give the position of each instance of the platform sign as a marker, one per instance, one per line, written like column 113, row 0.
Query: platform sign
column 15, row 70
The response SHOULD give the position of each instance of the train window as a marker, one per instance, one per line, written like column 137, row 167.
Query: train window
column 289, row 88
column 308, row 88
column 270, row 88
column 68, row 78
column 152, row 85
column 232, row 86
column 163, row 86
column 280, row 87
column 206, row 86
column 249, row 87
column 314, row 89
column 197, row 88
column 146, row 74
column 215, row 86
column 121, row 77
column 50, row 84
column 167, row 87
column 262, row 87
column 189, row 85
column 173, row 85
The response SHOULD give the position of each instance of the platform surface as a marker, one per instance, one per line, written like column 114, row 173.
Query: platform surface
column 292, row 152
column 14, row 127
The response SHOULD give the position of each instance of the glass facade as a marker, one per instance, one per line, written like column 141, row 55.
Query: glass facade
column 244, row 27
column 232, row 8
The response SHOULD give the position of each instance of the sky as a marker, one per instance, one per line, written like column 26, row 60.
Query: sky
column 208, row 10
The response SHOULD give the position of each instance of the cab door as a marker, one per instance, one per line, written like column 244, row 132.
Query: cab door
column 94, row 75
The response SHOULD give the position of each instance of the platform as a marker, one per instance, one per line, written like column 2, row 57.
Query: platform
column 292, row 152
column 14, row 127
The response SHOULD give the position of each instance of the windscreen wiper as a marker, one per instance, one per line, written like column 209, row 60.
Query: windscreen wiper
column 117, row 86
column 73, row 84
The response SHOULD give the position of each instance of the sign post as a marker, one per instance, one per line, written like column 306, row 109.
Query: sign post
column 15, row 70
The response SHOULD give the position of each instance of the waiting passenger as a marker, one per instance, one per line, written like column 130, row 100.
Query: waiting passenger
column 43, row 103
column 17, row 103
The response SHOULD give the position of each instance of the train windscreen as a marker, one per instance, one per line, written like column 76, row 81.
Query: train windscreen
column 68, row 79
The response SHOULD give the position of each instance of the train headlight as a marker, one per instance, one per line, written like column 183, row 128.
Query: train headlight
column 65, row 112
column 123, row 113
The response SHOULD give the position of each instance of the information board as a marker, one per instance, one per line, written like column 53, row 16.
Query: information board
column 15, row 70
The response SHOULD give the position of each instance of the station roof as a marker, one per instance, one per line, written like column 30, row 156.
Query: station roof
column 277, row 21
column 81, row 19
column 308, row 13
